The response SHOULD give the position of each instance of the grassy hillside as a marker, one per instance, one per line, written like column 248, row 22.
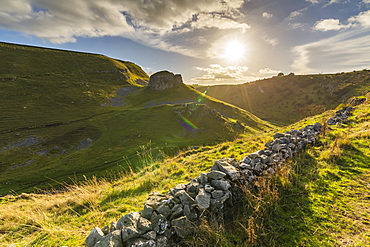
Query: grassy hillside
column 68, row 114
column 288, row 99
column 321, row 198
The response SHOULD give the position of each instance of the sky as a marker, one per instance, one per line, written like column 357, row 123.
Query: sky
column 206, row 41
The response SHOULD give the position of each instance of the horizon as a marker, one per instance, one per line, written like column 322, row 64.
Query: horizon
column 207, row 42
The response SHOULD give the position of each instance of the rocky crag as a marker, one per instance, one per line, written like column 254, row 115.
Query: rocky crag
column 166, row 219
column 164, row 80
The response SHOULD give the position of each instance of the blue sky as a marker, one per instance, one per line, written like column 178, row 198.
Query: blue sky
column 207, row 41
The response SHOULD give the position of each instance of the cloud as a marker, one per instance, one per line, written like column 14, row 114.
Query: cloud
column 268, row 71
column 313, row 1
column 329, row 24
column 362, row 19
column 154, row 23
column 295, row 14
column 344, row 51
column 218, row 73
column 270, row 41
column 267, row 15
column 204, row 20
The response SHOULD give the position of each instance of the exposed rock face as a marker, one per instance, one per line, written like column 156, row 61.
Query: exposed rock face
column 164, row 80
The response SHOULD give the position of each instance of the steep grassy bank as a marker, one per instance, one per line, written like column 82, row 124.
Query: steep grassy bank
column 288, row 99
column 319, row 199
column 69, row 114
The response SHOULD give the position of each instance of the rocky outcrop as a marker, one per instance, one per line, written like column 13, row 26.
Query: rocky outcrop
column 164, row 80
column 166, row 219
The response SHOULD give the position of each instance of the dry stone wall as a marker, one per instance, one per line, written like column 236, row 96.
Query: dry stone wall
column 166, row 219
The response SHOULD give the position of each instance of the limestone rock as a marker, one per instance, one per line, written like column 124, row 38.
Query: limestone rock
column 216, row 175
column 164, row 80
column 220, row 184
column 128, row 233
column 128, row 220
column 95, row 235
column 203, row 199
column 159, row 223
column 144, row 224
column 113, row 239
column 141, row 242
column 225, row 166
column 183, row 227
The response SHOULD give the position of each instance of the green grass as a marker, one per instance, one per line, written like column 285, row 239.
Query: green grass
column 320, row 198
column 287, row 99
column 63, row 97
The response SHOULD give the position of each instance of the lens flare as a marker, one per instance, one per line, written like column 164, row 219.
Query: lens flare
column 187, row 124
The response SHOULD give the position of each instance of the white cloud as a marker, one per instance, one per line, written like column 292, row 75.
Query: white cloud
column 344, row 51
column 155, row 23
column 270, row 41
column 267, row 15
column 366, row 1
column 295, row 14
column 218, row 21
column 218, row 73
column 362, row 19
column 329, row 24
column 313, row 1
column 268, row 71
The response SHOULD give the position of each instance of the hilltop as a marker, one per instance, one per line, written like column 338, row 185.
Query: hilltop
column 71, row 115
column 287, row 99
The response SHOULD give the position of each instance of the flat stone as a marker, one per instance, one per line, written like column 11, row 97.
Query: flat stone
column 192, row 187
column 113, row 226
column 164, row 210
column 150, row 235
column 105, row 230
column 203, row 179
column 216, row 174
column 245, row 166
column 217, row 194
column 183, row 227
column 208, row 188
column 128, row 220
column 185, row 198
column 144, row 224
column 159, row 223
column 95, row 235
column 278, row 135
column 141, row 242
column 128, row 233
column 113, row 239
column 246, row 160
column 190, row 214
column 220, row 184
column 179, row 187
column 146, row 212
column 162, row 241
column 253, row 155
column 203, row 199
column 176, row 211
column 224, row 166
column 154, row 199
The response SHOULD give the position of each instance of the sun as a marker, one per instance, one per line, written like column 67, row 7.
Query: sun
column 234, row 50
